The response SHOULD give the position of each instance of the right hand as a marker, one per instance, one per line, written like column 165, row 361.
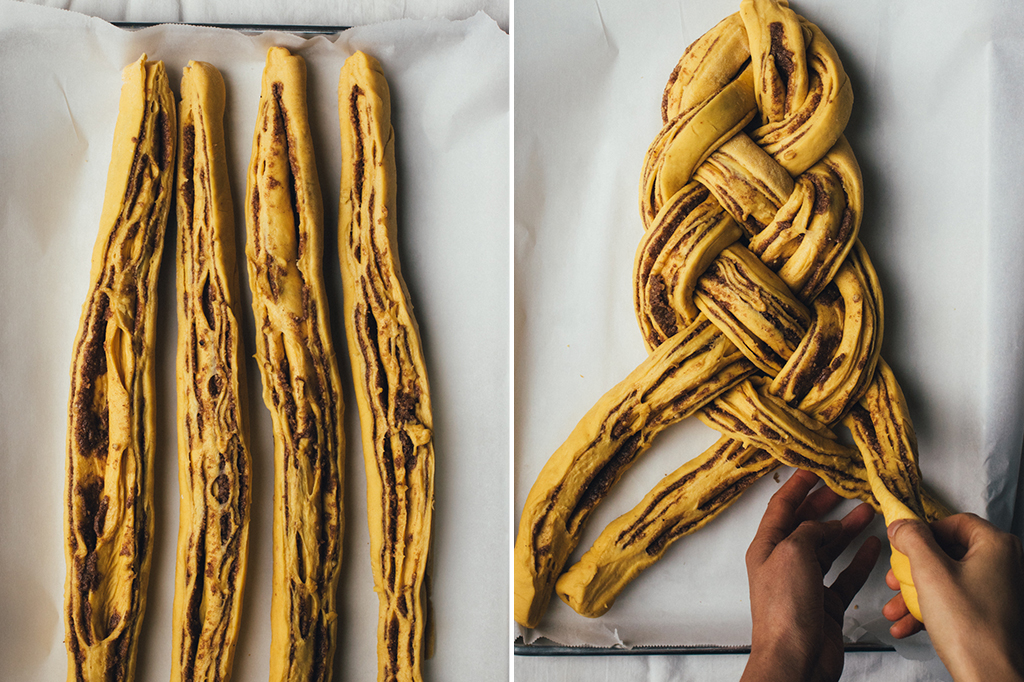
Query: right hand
column 970, row 584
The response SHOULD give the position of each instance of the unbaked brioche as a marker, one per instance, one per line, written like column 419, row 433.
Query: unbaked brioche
column 759, row 306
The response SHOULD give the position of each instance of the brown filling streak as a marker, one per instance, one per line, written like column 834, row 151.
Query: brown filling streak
column 603, row 479
column 646, row 517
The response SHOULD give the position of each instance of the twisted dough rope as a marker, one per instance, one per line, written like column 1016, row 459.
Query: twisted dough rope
column 770, row 369
column 111, row 437
column 214, row 461
column 301, row 383
column 391, row 387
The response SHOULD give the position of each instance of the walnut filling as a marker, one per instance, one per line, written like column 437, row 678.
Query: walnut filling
column 111, row 423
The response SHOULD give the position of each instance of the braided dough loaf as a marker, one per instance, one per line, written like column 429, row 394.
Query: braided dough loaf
column 760, row 309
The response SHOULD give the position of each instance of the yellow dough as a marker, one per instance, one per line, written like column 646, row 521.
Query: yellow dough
column 680, row 504
column 691, row 368
column 751, row 200
column 388, row 370
column 108, row 511
column 214, row 467
column 881, row 426
column 301, row 384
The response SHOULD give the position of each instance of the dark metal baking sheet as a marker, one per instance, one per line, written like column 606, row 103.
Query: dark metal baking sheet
column 551, row 649
column 300, row 29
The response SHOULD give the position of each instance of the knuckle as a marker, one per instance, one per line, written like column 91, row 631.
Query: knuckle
column 1008, row 543
column 791, row 548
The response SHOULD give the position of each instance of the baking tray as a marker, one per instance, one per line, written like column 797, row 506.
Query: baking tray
column 550, row 649
column 57, row 136
column 301, row 30
column 582, row 130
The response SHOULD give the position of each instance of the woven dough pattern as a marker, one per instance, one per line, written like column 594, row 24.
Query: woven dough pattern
column 759, row 307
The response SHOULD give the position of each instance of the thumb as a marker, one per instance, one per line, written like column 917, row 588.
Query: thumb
column 915, row 539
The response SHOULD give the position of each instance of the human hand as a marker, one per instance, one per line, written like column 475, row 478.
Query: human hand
column 797, row 621
column 970, row 585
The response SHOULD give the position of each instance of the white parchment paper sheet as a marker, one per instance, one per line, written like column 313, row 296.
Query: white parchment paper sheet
column 320, row 12
column 60, row 79
column 937, row 93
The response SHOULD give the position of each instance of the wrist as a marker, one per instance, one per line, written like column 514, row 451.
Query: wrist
column 982, row 663
column 771, row 661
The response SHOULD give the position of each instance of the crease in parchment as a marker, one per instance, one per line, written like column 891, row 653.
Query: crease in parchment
column 71, row 116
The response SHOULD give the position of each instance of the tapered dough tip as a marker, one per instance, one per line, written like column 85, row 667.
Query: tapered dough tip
column 362, row 62
column 136, row 69
column 203, row 73
column 143, row 63
column 281, row 54
column 365, row 71
column 282, row 64
column 197, row 66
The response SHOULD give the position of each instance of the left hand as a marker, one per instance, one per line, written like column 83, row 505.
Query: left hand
column 797, row 620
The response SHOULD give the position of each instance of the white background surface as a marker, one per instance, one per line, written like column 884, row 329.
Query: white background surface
column 936, row 92
column 60, row 78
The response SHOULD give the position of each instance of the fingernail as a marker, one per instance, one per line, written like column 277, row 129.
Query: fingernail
column 893, row 527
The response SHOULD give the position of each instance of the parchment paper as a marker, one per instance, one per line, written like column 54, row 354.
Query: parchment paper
column 60, row 79
column 276, row 12
column 937, row 92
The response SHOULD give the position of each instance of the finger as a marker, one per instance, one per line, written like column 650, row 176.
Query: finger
column 853, row 577
column 961, row 528
column 820, row 502
column 914, row 539
column 891, row 581
column 814, row 537
column 905, row 627
column 954, row 550
column 958, row 533
column 853, row 524
column 778, row 520
column 787, row 499
column 895, row 608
